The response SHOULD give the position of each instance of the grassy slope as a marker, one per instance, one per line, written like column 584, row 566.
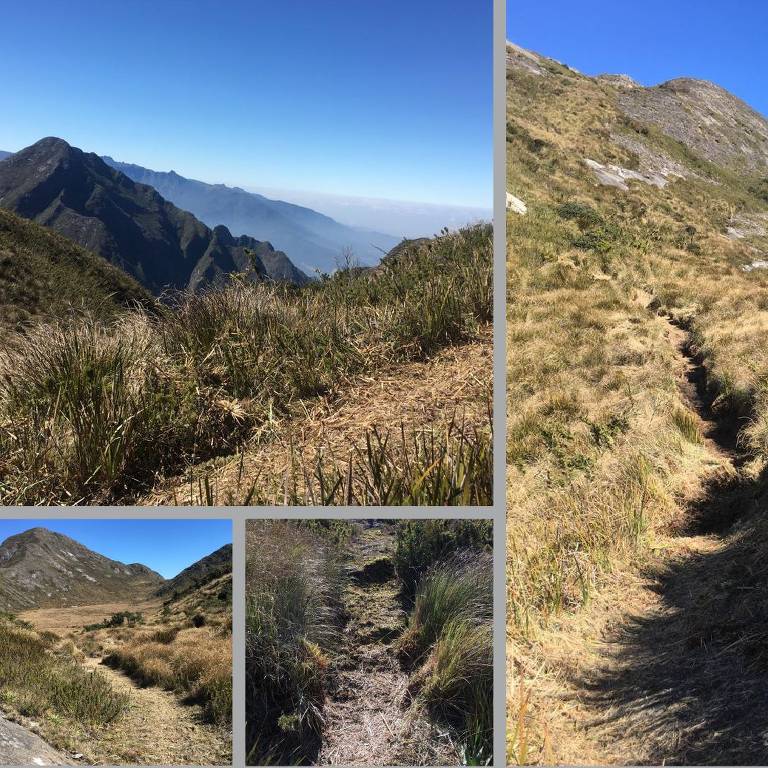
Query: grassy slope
column 54, row 678
column 44, row 274
column 97, row 411
column 600, row 444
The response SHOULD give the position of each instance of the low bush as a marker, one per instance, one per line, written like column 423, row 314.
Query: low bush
column 294, row 582
column 449, row 640
column 422, row 543
column 37, row 680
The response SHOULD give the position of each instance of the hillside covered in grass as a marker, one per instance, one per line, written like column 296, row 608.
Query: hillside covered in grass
column 637, row 232
column 45, row 275
column 95, row 410
column 369, row 643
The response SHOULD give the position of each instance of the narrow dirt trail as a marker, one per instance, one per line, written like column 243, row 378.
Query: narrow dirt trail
column 157, row 728
column 650, row 667
column 369, row 720
column 20, row 746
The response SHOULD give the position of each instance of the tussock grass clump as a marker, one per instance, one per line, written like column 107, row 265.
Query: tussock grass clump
column 422, row 543
column 94, row 410
column 432, row 467
column 193, row 661
column 38, row 679
column 294, row 582
column 450, row 639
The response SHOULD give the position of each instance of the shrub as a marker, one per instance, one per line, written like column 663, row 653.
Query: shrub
column 450, row 638
column 422, row 543
column 294, row 582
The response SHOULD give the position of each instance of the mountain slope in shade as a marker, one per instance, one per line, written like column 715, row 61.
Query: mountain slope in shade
column 43, row 273
column 314, row 241
column 40, row 568
column 3, row 154
column 131, row 225
column 208, row 568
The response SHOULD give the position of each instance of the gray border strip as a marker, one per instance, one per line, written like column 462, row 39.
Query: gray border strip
column 238, row 642
column 499, row 380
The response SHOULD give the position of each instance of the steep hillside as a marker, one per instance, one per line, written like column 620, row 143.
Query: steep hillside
column 314, row 241
column 41, row 568
column 205, row 570
column 637, row 369
column 45, row 274
column 131, row 225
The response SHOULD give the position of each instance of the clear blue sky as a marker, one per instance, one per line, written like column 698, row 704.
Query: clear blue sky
column 380, row 99
column 653, row 40
column 166, row 546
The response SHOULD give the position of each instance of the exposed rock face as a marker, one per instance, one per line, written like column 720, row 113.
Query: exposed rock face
column 18, row 746
column 523, row 59
column 712, row 122
column 79, row 196
column 516, row 205
column 616, row 176
column 40, row 568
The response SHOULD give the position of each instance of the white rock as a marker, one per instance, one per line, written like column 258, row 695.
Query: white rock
column 516, row 204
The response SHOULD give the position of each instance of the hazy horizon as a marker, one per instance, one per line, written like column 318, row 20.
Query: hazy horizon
column 344, row 98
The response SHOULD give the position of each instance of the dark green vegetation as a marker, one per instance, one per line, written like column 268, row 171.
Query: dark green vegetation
column 210, row 567
column 79, row 196
column 45, row 275
column 40, row 680
column 100, row 411
column 313, row 241
column 306, row 582
column 119, row 619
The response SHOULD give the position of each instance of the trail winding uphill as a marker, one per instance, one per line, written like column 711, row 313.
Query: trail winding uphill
column 658, row 671
column 368, row 717
column 158, row 728
column 19, row 746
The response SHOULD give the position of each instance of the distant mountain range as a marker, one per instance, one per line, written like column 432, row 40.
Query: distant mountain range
column 40, row 568
column 211, row 567
column 313, row 241
column 130, row 224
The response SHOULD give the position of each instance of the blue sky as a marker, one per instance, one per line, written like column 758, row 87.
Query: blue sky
column 653, row 41
column 350, row 97
column 166, row 546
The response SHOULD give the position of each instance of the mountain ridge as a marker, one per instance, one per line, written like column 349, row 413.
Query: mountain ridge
column 131, row 225
column 41, row 568
column 313, row 240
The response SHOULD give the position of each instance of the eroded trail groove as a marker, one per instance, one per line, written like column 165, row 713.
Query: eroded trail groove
column 663, row 672
column 369, row 720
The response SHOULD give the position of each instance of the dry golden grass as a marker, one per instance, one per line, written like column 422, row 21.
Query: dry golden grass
column 604, row 452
